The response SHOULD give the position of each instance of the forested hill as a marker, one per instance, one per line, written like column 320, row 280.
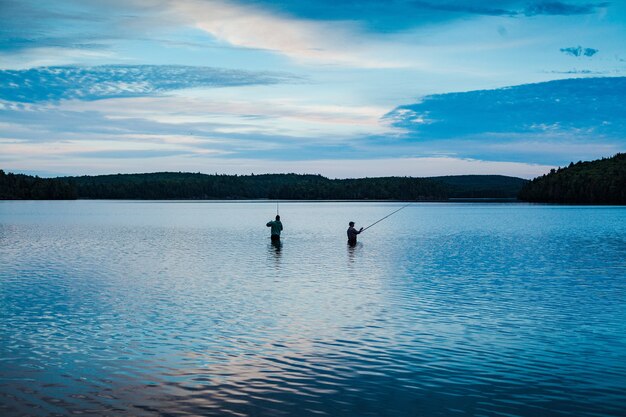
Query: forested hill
column 170, row 185
column 481, row 186
column 173, row 185
column 290, row 187
column 596, row 182
column 26, row 187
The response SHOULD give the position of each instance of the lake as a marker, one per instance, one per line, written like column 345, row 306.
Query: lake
column 143, row 308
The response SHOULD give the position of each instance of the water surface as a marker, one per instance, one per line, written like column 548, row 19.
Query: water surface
column 128, row 308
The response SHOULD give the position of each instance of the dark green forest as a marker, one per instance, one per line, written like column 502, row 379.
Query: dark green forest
column 171, row 185
column 597, row 182
column 481, row 186
column 178, row 185
column 26, row 187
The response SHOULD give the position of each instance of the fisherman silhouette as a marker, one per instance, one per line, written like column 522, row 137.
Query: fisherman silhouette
column 277, row 227
column 352, row 232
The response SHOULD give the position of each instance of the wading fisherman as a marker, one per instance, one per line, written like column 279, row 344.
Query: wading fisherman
column 277, row 227
column 352, row 232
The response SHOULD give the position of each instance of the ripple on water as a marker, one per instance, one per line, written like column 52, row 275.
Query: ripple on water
column 187, row 309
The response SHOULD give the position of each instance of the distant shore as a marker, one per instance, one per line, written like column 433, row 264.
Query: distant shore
column 195, row 186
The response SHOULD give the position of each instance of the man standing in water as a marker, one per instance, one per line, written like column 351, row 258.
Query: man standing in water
column 277, row 227
column 352, row 232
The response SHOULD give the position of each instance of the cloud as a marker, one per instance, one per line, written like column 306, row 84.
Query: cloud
column 515, row 8
column 578, row 105
column 102, row 26
column 127, row 154
column 363, row 34
column 305, row 40
column 579, row 72
column 93, row 83
column 62, row 24
column 560, row 8
column 332, row 168
column 271, row 114
column 579, row 51
column 464, row 7
column 573, row 118
column 261, row 129
column 511, row 8
column 549, row 123
column 395, row 15
column 52, row 56
column 325, row 33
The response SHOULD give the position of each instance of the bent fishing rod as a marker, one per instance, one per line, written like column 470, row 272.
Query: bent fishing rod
column 390, row 214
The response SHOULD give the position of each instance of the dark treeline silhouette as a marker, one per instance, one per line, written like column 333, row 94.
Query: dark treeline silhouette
column 179, row 185
column 481, row 186
column 171, row 185
column 597, row 182
column 26, row 187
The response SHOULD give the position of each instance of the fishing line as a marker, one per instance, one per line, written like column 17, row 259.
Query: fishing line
column 378, row 221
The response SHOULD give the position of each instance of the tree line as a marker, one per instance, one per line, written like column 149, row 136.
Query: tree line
column 273, row 186
column 179, row 185
column 27, row 187
column 597, row 182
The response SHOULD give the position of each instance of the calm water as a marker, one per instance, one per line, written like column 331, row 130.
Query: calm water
column 185, row 308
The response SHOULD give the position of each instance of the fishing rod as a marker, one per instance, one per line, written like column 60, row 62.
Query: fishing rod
column 378, row 221
column 277, row 208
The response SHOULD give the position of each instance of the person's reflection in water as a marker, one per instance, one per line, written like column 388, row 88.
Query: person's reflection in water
column 352, row 249
column 275, row 248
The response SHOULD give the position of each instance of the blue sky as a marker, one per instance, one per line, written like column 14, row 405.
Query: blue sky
column 340, row 88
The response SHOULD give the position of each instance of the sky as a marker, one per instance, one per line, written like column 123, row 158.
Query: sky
column 342, row 88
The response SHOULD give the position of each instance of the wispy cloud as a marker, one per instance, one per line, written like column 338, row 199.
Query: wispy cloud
column 30, row 24
column 572, row 118
column 584, row 105
column 44, row 56
column 475, row 7
column 282, row 128
column 93, row 83
column 511, row 8
column 562, row 8
column 579, row 51
column 402, row 14
column 268, row 115
column 546, row 123
column 579, row 72
column 364, row 34
column 346, row 42
column 62, row 100
column 333, row 168
column 301, row 39
column 100, row 24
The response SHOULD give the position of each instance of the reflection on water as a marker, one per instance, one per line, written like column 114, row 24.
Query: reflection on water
column 161, row 308
column 352, row 251
column 275, row 247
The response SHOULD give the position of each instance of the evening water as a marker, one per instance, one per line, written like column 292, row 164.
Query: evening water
column 139, row 308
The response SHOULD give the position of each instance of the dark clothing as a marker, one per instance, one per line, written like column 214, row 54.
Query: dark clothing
column 276, row 226
column 352, row 232
column 275, row 238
